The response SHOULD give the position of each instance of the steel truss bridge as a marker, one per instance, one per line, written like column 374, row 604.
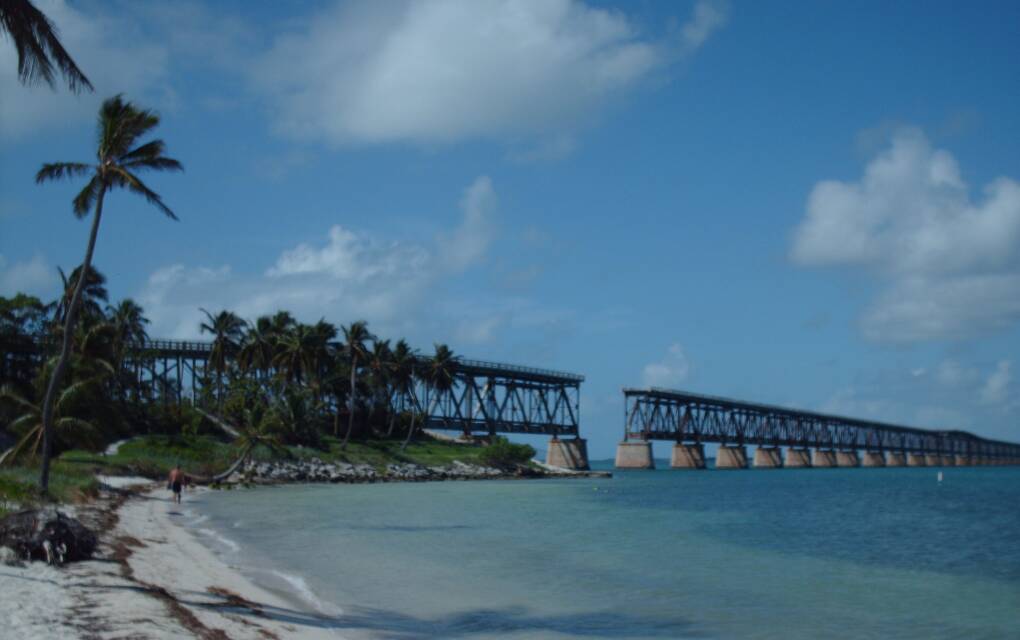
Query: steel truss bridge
column 665, row 414
column 486, row 397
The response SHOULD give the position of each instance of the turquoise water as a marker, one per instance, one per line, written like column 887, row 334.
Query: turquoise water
column 835, row 553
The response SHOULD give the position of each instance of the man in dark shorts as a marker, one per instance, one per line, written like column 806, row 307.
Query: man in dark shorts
column 176, row 482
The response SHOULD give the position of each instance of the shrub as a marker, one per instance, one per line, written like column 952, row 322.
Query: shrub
column 503, row 453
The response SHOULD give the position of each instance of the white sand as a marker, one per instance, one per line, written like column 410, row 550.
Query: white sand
column 161, row 591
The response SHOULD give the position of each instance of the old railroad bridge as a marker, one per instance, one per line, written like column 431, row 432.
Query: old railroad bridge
column 810, row 439
column 490, row 398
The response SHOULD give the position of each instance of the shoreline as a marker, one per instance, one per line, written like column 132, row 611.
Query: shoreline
column 151, row 577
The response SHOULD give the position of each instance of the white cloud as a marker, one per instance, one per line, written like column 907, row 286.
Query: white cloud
column 109, row 48
column 441, row 71
column 995, row 387
column 349, row 276
column 672, row 370
column 469, row 241
column 950, row 264
column 33, row 276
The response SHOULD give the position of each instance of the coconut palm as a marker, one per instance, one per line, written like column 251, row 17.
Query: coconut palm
column 121, row 124
column 402, row 362
column 258, row 347
column 355, row 337
column 380, row 365
column 295, row 353
column 92, row 296
column 30, row 423
column 129, row 321
column 39, row 49
column 227, row 330
column 437, row 376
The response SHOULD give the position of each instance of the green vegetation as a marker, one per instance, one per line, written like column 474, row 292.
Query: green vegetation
column 502, row 453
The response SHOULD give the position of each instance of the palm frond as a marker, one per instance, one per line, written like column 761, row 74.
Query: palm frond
column 8, row 392
column 86, row 197
column 151, row 149
column 60, row 170
column 156, row 164
column 36, row 43
column 127, row 179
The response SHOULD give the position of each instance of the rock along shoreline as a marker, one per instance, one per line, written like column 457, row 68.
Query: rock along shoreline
column 316, row 471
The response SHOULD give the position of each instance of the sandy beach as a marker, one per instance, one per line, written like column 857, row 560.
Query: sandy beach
column 150, row 579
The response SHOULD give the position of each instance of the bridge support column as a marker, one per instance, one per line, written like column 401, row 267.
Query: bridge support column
column 917, row 460
column 961, row 461
column 798, row 458
column 932, row 460
column 568, row 454
column 873, row 459
column 947, row 461
column 824, row 458
column 687, row 456
column 895, row 459
column 847, row 459
column 731, row 457
column 768, row 458
column 635, row 454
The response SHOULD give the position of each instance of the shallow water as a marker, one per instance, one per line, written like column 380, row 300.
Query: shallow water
column 837, row 553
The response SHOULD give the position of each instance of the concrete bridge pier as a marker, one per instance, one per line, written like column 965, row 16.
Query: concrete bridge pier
column 917, row 460
column 687, row 456
column 634, row 454
column 768, row 458
column 568, row 454
column 730, row 457
column 895, row 459
column 798, row 458
column 873, row 459
column 847, row 459
column 932, row 460
column 947, row 461
column 962, row 461
column 824, row 458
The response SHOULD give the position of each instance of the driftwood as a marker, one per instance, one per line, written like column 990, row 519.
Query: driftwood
column 46, row 534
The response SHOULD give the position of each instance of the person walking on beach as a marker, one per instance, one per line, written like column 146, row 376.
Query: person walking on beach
column 176, row 482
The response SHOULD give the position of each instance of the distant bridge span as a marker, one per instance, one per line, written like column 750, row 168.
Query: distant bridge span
column 689, row 420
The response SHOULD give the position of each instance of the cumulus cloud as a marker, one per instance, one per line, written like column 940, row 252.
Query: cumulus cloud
column 443, row 71
column 672, row 370
column 109, row 47
column 33, row 276
column 995, row 387
column 949, row 262
column 348, row 276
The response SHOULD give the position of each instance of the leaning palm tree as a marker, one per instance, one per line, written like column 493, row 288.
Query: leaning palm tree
column 121, row 124
column 437, row 378
column 39, row 49
column 227, row 330
column 355, row 336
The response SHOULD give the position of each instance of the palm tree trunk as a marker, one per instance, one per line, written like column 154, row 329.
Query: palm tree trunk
column 410, row 429
column 65, row 348
column 354, row 398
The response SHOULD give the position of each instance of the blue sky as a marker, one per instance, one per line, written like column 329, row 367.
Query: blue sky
column 808, row 204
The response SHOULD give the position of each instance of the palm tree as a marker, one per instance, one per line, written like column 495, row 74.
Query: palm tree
column 295, row 353
column 438, row 377
column 227, row 329
column 355, row 337
column 39, row 49
column 30, row 423
column 121, row 124
column 258, row 348
column 129, row 321
column 380, row 365
column 401, row 377
column 93, row 293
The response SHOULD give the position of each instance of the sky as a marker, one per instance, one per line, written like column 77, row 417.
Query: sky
column 811, row 204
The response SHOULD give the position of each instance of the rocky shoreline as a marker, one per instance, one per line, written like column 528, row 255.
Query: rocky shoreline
column 315, row 470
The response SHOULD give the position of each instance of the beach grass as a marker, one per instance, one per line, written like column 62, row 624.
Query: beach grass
column 69, row 483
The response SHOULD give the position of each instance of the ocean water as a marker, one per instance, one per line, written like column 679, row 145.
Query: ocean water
column 833, row 553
